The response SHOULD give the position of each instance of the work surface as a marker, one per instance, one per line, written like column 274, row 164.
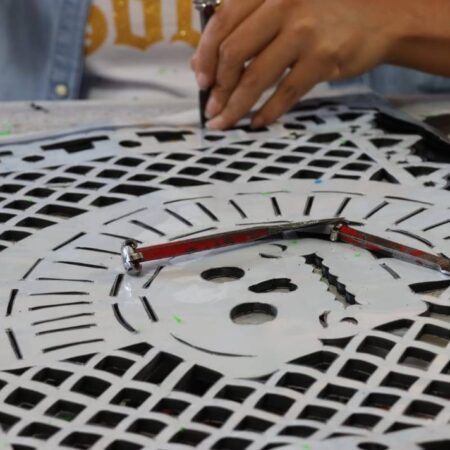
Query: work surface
column 291, row 343
column 34, row 117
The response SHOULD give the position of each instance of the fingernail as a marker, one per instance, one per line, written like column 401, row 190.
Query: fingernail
column 257, row 122
column 213, row 107
column 218, row 123
column 202, row 80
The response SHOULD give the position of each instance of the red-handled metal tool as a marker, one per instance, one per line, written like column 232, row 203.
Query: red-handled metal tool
column 393, row 249
column 132, row 256
column 336, row 229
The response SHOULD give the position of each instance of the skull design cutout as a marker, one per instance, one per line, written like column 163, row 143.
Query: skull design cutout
column 277, row 300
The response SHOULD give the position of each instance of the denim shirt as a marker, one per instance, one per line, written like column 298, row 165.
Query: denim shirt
column 42, row 54
column 41, row 48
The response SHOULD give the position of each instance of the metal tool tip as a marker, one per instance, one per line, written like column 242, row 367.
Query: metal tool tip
column 205, row 3
column 130, row 258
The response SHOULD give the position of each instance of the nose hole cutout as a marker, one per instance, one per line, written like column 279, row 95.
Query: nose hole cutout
column 253, row 313
column 223, row 274
column 269, row 255
column 275, row 285
column 351, row 320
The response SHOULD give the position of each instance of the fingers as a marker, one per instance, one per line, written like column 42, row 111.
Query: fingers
column 254, row 34
column 262, row 73
column 301, row 79
column 230, row 14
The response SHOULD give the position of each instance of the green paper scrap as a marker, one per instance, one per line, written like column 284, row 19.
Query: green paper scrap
column 177, row 319
column 266, row 194
column 5, row 132
column 306, row 447
column 66, row 417
column 358, row 254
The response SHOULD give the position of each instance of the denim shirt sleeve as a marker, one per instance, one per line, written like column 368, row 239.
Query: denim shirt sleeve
column 391, row 80
column 41, row 48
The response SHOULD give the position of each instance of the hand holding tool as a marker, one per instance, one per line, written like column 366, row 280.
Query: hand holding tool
column 206, row 9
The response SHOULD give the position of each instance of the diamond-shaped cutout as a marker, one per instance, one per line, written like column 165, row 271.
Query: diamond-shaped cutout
column 417, row 358
column 235, row 393
column 7, row 421
column 231, row 443
column 367, row 421
column 65, row 410
column 296, row 381
column 380, row 400
column 131, row 398
column 336, row 393
column 158, row 368
column 189, row 437
column 298, row 431
column 318, row 413
column 399, row 380
column 91, row 386
column 357, row 370
column 52, row 377
column 212, row 416
column 423, row 410
column 107, row 419
column 439, row 389
column 24, row 398
column 80, row 440
column 275, row 404
column 434, row 335
column 115, row 365
column 375, row 345
column 147, row 427
column 170, row 406
column 198, row 380
column 38, row 430
column 254, row 424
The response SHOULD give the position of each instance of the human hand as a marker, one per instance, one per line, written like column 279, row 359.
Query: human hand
column 250, row 45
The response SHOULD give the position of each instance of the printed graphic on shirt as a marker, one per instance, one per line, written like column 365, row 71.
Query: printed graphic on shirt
column 140, row 49
column 140, row 24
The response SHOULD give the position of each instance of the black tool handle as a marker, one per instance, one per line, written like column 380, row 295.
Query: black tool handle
column 207, row 13
column 204, row 94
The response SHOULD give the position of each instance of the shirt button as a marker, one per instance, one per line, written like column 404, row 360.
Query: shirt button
column 61, row 90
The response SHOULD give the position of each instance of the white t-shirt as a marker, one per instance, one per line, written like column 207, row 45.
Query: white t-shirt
column 141, row 49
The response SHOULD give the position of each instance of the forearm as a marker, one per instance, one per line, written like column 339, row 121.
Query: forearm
column 423, row 40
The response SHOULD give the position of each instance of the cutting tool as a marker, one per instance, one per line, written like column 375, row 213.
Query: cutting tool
column 335, row 229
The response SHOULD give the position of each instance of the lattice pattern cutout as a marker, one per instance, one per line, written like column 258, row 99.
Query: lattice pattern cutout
column 319, row 118
column 142, row 397
column 342, row 386
column 37, row 198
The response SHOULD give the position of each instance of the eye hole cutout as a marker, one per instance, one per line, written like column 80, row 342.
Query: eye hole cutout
column 283, row 285
column 223, row 274
column 253, row 313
